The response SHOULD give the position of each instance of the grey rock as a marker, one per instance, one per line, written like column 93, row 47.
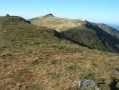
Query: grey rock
column 88, row 84
column 117, row 71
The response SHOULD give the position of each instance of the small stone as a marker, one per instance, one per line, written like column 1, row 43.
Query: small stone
column 117, row 71
column 87, row 83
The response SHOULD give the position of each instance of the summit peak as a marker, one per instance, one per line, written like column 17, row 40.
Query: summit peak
column 49, row 15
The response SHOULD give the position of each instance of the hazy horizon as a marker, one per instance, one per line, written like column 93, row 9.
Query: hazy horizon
column 99, row 11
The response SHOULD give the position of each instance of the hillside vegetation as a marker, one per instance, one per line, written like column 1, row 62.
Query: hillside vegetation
column 91, row 35
column 36, row 58
column 59, row 24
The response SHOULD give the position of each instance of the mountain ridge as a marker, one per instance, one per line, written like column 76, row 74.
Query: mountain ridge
column 95, row 36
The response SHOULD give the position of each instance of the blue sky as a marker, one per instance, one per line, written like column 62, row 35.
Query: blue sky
column 102, row 11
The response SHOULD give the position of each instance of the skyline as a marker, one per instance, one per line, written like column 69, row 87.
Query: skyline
column 100, row 11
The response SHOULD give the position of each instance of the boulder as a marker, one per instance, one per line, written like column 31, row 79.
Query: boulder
column 88, row 84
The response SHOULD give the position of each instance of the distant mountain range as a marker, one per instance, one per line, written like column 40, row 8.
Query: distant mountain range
column 85, row 33
column 116, row 26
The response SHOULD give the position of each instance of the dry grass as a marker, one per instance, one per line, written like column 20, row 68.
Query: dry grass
column 32, row 58
column 59, row 24
column 53, row 68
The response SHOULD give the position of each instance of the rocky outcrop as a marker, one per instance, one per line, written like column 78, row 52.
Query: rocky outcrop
column 49, row 15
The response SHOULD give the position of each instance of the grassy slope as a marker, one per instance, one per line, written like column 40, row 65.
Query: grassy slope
column 93, row 37
column 33, row 58
column 59, row 24
column 88, row 34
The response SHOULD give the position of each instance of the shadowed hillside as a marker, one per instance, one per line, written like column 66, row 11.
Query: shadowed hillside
column 91, row 35
column 109, row 30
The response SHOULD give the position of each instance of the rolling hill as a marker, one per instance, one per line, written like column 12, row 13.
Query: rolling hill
column 59, row 24
column 91, row 35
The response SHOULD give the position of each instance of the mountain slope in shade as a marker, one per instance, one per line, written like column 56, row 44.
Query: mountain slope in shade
column 91, row 35
column 109, row 30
